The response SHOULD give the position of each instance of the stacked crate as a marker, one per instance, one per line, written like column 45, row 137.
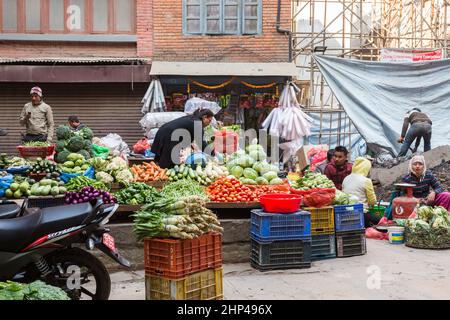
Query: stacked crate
column 323, row 240
column 350, row 232
column 280, row 241
column 184, row 269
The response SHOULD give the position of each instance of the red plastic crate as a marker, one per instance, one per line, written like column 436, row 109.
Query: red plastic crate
column 175, row 259
column 43, row 152
column 280, row 203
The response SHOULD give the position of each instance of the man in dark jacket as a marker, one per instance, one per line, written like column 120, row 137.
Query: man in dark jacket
column 74, row 123
column 168, row 143
column 420, row 128
column 339, row 167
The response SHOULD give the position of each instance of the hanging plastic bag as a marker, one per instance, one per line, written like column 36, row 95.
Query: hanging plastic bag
column 141, row 146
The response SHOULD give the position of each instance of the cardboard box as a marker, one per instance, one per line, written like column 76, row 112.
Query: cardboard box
column 302, row 154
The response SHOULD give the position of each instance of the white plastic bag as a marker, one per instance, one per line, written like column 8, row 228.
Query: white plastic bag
column 156, row 119
column 115, row 143
column 197, row 103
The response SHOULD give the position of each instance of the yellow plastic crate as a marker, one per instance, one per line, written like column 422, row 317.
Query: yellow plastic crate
column 322, row 220
column 204, row 285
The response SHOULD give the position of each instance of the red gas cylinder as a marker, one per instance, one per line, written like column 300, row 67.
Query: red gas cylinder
column 403, row 207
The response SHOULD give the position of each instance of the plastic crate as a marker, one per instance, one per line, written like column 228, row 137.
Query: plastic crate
column 322, row 220
column 351, row 243
column 46, row 202
column 286, row 254
column 271, row 226
column 42, row 152
column 323, row 246
column 204, row 285
column 349, row 217
column 176, row 259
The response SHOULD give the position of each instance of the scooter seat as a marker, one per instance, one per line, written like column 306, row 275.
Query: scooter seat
column 17, row 233
column 9, row 210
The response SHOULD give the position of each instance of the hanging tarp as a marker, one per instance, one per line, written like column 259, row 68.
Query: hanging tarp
column 377, row 95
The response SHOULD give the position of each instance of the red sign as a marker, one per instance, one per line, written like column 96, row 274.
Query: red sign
column 409, row 55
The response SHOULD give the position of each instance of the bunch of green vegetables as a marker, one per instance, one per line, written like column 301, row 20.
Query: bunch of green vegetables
column 431, row 229
column 110, row 171
column 342, row 198
column 12, row 162
column 183, row 188
column 185, row 218
column 138, row 193
column 312, row 180
column 77, row 183
column 36, row 144
column 37, row 290
column 69, row 141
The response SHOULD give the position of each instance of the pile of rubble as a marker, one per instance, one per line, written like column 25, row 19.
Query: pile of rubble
column 441, row 172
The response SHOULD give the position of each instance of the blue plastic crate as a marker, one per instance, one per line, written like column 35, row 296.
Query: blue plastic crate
column 349, row 217
column 323, row 246
column 277, row 226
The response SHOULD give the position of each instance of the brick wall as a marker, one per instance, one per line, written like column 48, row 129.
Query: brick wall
column 143, row 47
column 171, row 45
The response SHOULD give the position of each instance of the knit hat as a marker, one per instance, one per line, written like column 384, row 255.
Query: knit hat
column 420, row 159
column 36, row 90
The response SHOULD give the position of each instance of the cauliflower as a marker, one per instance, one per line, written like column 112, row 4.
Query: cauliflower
column 117, row 164
column 104, row 177
column 124, row 175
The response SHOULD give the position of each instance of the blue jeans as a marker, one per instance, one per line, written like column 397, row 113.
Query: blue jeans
column 417, row 130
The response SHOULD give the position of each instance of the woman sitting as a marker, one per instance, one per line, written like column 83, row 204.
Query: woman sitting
column 424, row 181
column 359, row 185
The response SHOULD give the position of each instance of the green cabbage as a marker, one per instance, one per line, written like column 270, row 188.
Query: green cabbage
column 257, row 166
column 237, row 171
column 276, row 181
column 245, row 161
column 261, row 181
column 250, row 173
column 270, row 175
column 264, row 168
column 248, row 181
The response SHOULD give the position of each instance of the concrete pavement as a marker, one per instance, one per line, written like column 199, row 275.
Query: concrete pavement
column 386, row 272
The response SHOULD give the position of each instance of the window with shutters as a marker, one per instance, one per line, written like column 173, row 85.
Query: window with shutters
column 68, row 16
column 215, row 17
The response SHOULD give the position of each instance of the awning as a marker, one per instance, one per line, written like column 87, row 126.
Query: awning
column 167, row 68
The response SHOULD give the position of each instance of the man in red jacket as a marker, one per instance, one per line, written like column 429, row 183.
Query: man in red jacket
column 339, row 167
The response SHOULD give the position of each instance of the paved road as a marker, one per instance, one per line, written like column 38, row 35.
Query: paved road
column 386, row 272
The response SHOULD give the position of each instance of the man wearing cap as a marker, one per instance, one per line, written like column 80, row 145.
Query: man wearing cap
column 75, row 123
column 420, row 128
column 37, row 116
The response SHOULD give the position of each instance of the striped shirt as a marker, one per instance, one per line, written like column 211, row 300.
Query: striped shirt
column 422, row 188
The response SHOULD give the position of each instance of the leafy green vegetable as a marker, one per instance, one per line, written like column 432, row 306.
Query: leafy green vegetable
column 36, row 290
column 250, row 173
column 63, row 132
column 61, row 157
column 237, row 171
column 183, row 188
column 75, row 144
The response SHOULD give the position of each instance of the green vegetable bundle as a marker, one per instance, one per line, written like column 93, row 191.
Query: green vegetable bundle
column 77, row 183
column 37, row 290
column 312, row 180
column 183, row 188
column 70, row 141
column 36, row 144
column 185, row 218
column 138, row 193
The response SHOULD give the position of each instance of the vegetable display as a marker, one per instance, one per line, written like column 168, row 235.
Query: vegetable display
column 17, row 190
column 76, row 163
column 138, row 193
column 312, row 180
column 45, row 166
column 183, row 188
column 342, row 198
column 431, row 229
column 230, row 190
column 36, row 144
column 48, row 187
column 12, row 162
column 252, row 168
column 148, row 171
column 77, row 183
column 196, row 173
column 183, row 218
column 36, row 290
column 89, row 194
column 69, row 141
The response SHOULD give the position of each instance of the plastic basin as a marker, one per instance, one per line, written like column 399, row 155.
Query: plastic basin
column 280, row 202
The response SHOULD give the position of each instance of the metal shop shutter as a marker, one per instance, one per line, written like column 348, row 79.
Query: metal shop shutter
column 105, row 108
